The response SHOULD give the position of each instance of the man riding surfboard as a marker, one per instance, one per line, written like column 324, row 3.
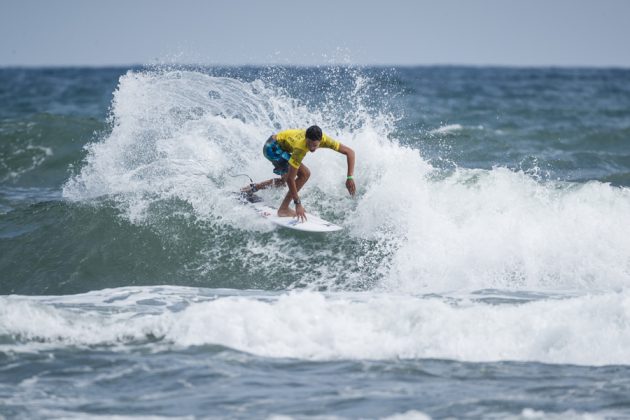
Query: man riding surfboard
column 286, row 150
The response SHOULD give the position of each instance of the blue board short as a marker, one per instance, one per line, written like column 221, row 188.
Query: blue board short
column 280, row 158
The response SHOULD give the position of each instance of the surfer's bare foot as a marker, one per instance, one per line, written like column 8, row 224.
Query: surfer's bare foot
column 286, row 212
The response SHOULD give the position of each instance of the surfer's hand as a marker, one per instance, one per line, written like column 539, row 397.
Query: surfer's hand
column 300, row 213
column 350, row 186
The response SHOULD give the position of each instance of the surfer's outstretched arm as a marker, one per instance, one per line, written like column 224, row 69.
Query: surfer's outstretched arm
column 345, row 150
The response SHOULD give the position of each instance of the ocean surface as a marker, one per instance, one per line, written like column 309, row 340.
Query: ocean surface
column 483, row 270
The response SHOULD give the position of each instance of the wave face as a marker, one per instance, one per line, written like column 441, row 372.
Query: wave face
column 144, row 196
column 178, row 136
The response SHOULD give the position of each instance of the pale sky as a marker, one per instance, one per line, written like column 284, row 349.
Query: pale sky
column 385, row 32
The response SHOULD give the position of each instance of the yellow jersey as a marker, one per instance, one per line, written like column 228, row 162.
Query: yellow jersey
column 294, row 142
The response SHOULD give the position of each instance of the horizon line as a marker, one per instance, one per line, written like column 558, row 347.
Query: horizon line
column 349, row 65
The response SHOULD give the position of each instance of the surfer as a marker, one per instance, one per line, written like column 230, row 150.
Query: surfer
column 285, row 150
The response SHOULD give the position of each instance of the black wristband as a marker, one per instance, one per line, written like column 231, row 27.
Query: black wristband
column 297, row 202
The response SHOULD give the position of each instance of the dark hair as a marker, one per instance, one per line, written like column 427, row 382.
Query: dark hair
column 314, row 133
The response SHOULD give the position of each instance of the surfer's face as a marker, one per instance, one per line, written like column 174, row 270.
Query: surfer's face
column 312, row 144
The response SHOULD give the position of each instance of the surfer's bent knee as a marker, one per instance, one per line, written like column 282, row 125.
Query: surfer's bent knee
column 304, row 172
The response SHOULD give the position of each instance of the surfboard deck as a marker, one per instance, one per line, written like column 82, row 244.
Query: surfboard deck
column 312, row 223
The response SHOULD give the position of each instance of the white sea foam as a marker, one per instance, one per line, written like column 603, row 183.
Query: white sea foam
column 528, row 413
column 37, row 154
column 447, row 129
column 177, row 135
column 408, row 415
column 588, row 329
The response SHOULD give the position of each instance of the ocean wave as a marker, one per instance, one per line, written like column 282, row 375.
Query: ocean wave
column 177, row 136
column 574, row 329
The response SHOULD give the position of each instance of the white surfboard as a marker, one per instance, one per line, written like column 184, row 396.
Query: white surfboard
column 312, row 223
